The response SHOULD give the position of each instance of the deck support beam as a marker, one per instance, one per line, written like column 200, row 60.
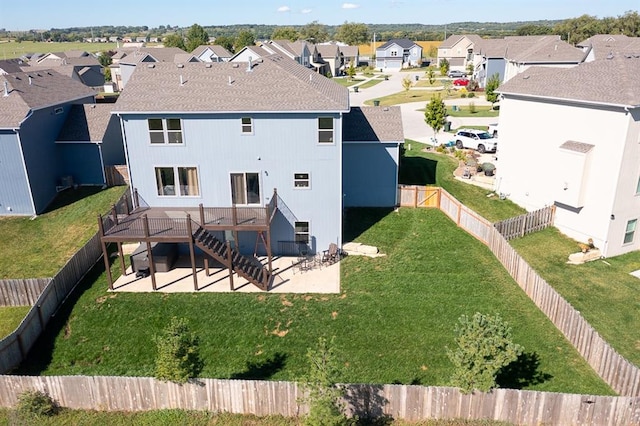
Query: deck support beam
column 192, row 254
column 152, row 268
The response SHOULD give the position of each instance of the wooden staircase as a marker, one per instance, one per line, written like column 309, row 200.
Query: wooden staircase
column 241, row 265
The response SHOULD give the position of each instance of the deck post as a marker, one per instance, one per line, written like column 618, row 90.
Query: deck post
column 121, row 257
column 192, row 253
column 230, row 264
column 105, row 255
column 136, row 198
column 114, row 213
column 152, row 269
column 269, row 249
column 201, row 209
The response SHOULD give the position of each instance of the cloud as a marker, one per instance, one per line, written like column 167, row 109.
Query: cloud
column 305, row 11
column 350, row 6
column 284, row 9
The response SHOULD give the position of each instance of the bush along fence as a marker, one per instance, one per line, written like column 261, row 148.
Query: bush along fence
column 613, row 368
column 15, row 347
column 264, row 398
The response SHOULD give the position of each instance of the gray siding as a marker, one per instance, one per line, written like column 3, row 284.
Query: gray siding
column 370, row 174
column 125, row 72
column 280, row 146
column 494, row 66
column 81, row 161
column 14, row 191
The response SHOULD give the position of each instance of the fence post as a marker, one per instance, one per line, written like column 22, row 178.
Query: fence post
column 524, row 225
column 415, row 197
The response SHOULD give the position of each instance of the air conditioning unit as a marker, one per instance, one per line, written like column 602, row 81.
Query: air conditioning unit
column 66, row 181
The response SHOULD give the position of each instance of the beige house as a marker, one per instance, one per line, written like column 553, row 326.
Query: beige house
column 458, row 50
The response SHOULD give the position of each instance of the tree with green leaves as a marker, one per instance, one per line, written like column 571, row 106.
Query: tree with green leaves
column 226, row 42
column 444, row 66
column 483, row 347
column 105, row 58
column 324, row 394
column 314, row 32
column 196, row 36
column 431, row 75
column 244, row 38
column 285, row 33
column 351, row 70
column 435, row 114
column 174, row 40
column 406, row 85
column 353, row 33
column 490, row 89
column 178, row 358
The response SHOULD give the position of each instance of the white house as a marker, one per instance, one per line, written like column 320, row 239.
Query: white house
column 571, row 138
column 398, row 53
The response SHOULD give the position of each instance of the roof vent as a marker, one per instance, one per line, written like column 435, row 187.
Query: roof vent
column 181, row 80
column 230, row 81
column 180, row 65
column 236, row 65
column 151, row 66
column 207, row 65
column 249, row 65
column 260, row 60
column 310, row 77
column 6, row 89
column 525, row 77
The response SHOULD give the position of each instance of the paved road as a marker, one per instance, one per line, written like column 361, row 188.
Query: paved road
column 412, row 119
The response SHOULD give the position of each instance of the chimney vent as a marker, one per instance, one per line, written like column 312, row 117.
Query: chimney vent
column 29, row 80
column 181, row 80
column 6, row 89
column 249, row 65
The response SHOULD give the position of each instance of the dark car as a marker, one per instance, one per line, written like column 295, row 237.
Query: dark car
column 457, row 74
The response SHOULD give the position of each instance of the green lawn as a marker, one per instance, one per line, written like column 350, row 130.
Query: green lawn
column 392, row 321
column 11, row 317
column 602, row 290
column 431, row 168
column 343, row 81
column 371, row 83
column 465, row 111
column 15, row 50
column 39, row 247
column 414, row 96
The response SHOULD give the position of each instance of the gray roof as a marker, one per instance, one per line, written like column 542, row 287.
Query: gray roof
column 218, row 50
column 609, row 81
column 275, row 83
column 349, row 51
column 373, row 124
column 328, row 50
column 9, row 66
column 405, row 43
column 617, row 44
column 86, row 122
column 550, row 49
column 257, row 50
column 577, row 146
column 454, row 39
column 160, row 54
column 47, row 88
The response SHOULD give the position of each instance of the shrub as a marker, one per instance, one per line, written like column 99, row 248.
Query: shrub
column 472, row 86
column 463, row 95
column 471, row 95
column 441, row 148
column 178, row 358
column 36, row 403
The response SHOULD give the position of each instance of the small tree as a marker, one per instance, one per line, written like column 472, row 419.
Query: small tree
column 444, row 67
column 483, row 347
column 406, row 84
column 178, row 358
column 431, row 75
column 470, row 68
column 490, row 89
column 448, row 86
column 324, row 395
column 472, row 107
column 435, row 114
column 351, row 71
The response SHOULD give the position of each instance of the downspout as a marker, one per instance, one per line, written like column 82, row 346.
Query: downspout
column 104, row 177
column 341, row 210
column 126, row 159
column 24, row 163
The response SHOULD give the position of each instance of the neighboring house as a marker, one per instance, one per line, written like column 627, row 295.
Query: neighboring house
column 398, row 53
column 330, row 54
column 79, row 65
column 371, row 138
column 90, row 139
column 301, row 51
column 458, row 50
column 9, row 66
column 250, row 53
column 602, row 45
column 584, row 156
column 350, row 54
column 33, row 108
column 125, row 61
column 212, row 53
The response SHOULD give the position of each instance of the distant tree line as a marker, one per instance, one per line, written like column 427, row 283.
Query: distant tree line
column 234, row 37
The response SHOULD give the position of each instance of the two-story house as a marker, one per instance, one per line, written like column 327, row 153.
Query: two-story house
column 398, row 53
column 458, row 50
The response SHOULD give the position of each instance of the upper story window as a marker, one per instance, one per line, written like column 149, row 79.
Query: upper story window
column 325, row 130
column 247, row 126
column 393, row 53
column 165, row 130
column 301, row 180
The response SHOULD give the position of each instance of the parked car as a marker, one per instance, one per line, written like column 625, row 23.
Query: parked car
column 461, row 82
column 493, row 130
column 457, row 74
column 479, row 140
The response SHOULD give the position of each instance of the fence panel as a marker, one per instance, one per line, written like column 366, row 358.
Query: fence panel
column 116, row 175
column 21, row 292
column 527, row 223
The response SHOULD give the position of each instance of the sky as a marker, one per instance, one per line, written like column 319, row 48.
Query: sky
column 46, row 14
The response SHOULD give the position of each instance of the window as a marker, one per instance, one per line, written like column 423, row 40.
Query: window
column 165, row 130
column 631, row 229
column 301, row 180
column 187, row 178
column 247, row 126
column 58, row 110
column 302, row 232
column 394, row 53
column 245, row 188
column 325, row 130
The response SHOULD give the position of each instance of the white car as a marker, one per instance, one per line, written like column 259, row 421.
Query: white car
column 479, row 140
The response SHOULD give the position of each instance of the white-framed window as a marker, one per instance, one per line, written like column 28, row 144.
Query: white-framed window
column 325, row 129
column 245, row 188
column 247, row 125
column 630, row 231
column 165, row 130
column 177, row 181
column 301, row 180
column 302, row 232
column 393, row 52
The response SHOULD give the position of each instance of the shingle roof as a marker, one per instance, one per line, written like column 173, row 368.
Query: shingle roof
column 9, row 66
column 617, row 44
column 257, row 50
column 349, row 51
column 577, row 146
column 455, row 39
column 274, row 84
column 160, row 54
column 215, row 48
column 609, row 81
column 373, row 124
column 548, row 49
column 47, row 88
column 86, row 122
column 328, row 50
column 405, row 43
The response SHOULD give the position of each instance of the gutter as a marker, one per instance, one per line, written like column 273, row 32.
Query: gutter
column 118, row 113
column 126, row 159
column 578, row 101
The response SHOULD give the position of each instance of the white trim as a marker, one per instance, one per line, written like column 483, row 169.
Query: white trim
column 333, row 129
column 26, row 174
column 176, row 180
column 309, row 233
column 126, row 159
column 79, row 142
column 242, row 132
column 308, row 180
column 259, row 173
column 165, row 131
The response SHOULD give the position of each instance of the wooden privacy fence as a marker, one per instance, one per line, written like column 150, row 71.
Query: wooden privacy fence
column 264, row 398
column 21, row 292
column 116, row 175
column 613, row 368
column 527, row 223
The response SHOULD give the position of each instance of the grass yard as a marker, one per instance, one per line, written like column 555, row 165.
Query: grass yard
column 15, row 50
column 431, row 168
column 40, row 247
column 414, row 96
column 602, row 290
column 347, row 82
column 392, row 321
column 371, row 83
column 10, row 318
column 465, row 111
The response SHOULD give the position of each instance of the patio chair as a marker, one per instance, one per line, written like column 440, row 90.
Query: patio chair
column 331, row 255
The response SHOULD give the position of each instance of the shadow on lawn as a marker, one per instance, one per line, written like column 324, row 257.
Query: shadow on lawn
column 262, row 370
column 70, row 196
column 522, row 372
column 417, row 171
column 359, row 219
